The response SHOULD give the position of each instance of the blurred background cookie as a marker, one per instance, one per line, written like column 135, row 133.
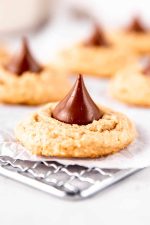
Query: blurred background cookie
column 135, row 36
column 24, row 81
column 97, row 56
column 132, row 85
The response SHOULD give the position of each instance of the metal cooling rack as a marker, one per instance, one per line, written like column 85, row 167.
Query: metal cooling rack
column 74, row 182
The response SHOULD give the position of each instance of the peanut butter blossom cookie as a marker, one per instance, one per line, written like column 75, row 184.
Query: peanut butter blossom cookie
column 75, row 127
column 135, row 36
column 132, row 85
column 97, row 56
column 24, row 81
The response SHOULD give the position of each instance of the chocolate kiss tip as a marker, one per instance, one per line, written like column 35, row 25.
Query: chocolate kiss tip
column 24, row 61
column 77, row 107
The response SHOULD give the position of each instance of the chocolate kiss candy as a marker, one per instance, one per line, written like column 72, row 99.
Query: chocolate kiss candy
column 24, row 61
column 77, row 107
column 98, row 38
column 136, row 26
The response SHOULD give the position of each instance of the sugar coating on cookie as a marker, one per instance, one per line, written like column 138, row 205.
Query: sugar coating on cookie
column 44, row 135
column 131, row 86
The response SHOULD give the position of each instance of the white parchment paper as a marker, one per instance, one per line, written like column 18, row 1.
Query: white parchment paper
column 137, row 155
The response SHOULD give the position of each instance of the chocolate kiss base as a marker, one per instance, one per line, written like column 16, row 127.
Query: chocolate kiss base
column 24, row 61
column 77, row 107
